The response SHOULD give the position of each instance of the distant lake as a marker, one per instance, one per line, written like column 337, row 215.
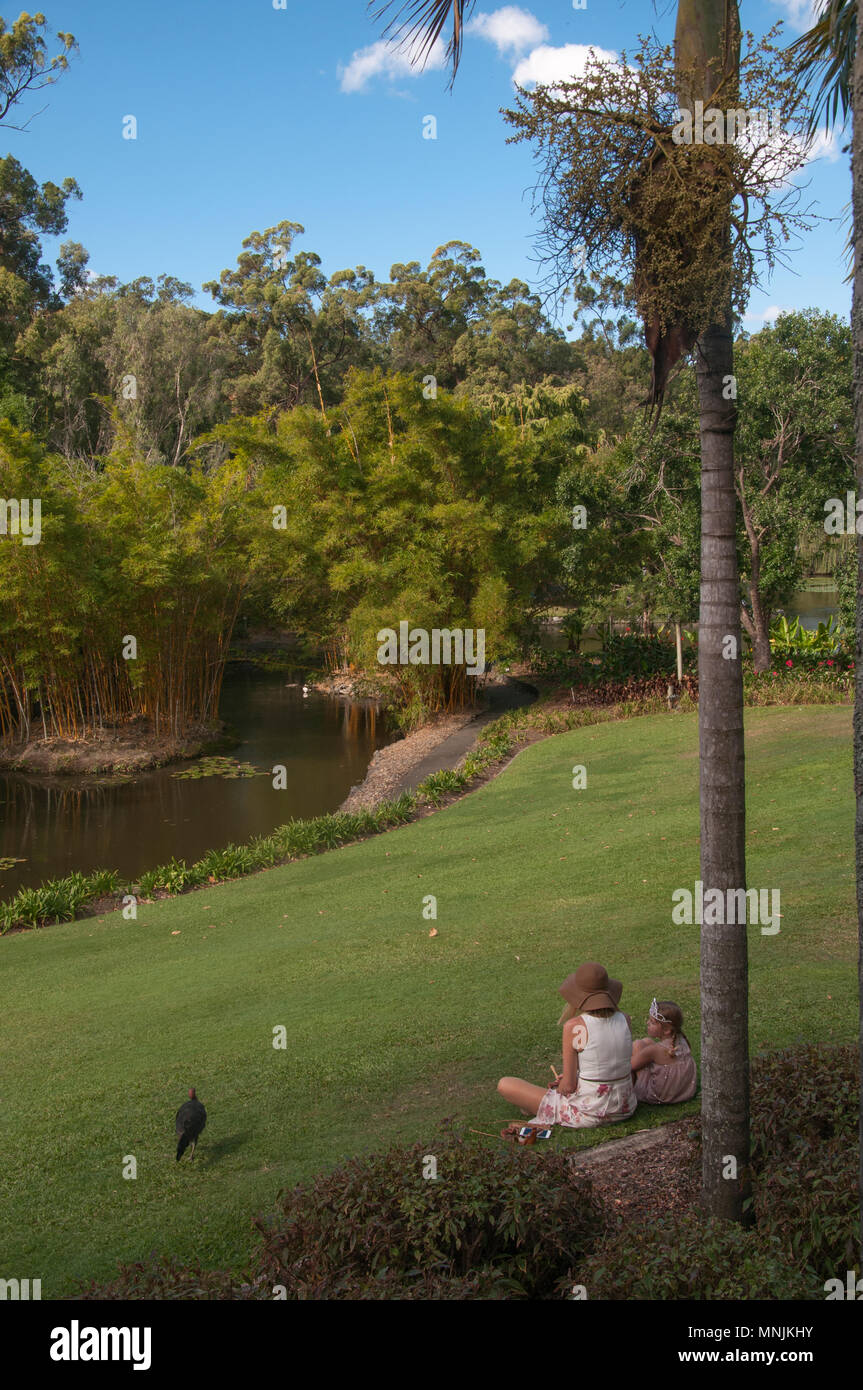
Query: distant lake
column 812, row 605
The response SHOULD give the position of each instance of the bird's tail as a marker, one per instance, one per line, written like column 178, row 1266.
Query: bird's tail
column 182, row 1146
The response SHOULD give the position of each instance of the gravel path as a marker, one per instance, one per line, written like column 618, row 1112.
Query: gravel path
column 441, row 744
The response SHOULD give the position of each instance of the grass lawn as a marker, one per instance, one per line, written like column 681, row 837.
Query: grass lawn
column 107, row 1022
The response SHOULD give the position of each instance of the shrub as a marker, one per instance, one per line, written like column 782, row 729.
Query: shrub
column 810, row 1202
column 794, row 640
column 804, row 1153
column 166, row 1278
column 515, row 1221
column 827, row 683
column 804, row 1156
column 624, row 655
column 693, row 1257
column 803, row 1095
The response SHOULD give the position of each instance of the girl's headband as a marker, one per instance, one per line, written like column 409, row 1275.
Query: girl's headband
column 655, row 1014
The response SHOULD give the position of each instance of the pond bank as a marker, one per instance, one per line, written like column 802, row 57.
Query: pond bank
column 122, row 748
column 439, row 745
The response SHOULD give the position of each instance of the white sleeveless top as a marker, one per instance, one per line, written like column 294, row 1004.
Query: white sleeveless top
column 607, row 1055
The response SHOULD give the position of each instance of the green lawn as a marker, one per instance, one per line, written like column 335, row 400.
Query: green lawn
column 107, row 1022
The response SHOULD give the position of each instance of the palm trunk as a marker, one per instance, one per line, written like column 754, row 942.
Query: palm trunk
column 707, row 51
column 724, row 970
column 857, row 337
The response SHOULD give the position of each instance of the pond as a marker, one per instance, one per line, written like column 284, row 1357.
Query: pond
column 60, row 824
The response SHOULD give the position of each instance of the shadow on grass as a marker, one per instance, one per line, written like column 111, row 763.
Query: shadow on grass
column 222, row 1147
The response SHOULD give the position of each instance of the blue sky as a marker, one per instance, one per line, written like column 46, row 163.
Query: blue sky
column 248, row 115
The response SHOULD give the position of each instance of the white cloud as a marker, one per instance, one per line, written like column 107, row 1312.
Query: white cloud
column 547, row 65
column 776, row 157
column 801, row 14
column 768, row 315
column 383, row 59
column 510, row 29
column 825, row 146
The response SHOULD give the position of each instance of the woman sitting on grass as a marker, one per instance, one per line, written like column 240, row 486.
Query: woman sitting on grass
column 663, row 1067
column 596, row 1085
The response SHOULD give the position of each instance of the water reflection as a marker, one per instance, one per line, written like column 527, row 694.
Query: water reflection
column 59, row 824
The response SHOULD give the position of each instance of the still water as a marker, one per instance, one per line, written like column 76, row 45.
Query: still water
column 59, row 824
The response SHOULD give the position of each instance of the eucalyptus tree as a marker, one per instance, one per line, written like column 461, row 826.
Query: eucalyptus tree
column 423, row 314
column 28, row 208
column 296, row 334
column 511, row 344
column 795, row 450
column 23, row 66
column 27, row 286
column 132, row 361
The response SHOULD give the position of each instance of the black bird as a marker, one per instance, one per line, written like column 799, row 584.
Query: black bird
column 191, row 1119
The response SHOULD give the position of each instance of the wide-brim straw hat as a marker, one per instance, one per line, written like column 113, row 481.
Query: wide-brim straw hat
column 591, row 988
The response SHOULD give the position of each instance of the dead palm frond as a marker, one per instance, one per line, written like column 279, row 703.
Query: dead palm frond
column 422, row 25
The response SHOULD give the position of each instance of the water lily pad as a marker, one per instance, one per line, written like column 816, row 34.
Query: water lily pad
column 228, row 768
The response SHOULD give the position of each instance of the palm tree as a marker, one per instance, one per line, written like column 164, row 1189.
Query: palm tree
column 831, row 53
column 826, row 52
column 707, row 54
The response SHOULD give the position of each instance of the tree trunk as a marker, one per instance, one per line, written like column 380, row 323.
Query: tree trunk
column 857, row 336
column 758, row 626
column 707, row 51
column 724, row 970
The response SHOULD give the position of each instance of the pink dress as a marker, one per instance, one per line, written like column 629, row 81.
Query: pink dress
column 604, row 1094
column 665, row 1083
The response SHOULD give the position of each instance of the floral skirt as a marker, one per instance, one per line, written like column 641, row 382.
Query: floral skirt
column 593, row 1103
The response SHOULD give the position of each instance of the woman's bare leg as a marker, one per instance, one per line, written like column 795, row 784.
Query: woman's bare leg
column 521, row 1093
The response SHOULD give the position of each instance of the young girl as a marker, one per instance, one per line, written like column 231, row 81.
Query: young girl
column 663, row 1067
column 596, row 1085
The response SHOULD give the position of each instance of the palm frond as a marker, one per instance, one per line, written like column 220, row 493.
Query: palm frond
column 419, row 24
column 827, row 49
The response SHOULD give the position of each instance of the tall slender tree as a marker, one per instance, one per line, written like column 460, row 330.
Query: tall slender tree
column 831, row 54
column 707, row 58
